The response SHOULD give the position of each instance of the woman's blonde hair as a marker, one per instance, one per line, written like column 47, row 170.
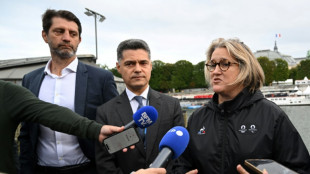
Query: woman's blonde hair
column 251, row 73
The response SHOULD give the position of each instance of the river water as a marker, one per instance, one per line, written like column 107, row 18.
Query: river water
column 299, row 116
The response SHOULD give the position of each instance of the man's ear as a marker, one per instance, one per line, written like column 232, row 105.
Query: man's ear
column 118, row 67
column 44, row 36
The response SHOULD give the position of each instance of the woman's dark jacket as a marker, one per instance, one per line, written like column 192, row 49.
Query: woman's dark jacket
column 249, row 126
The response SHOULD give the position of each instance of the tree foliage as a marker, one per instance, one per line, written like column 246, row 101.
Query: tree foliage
column 198, row 80
column 161, row 76
column 303, row 69
column 115, row 72
column 293, row 74
column 182, row 74
column 281, row 72
column 268, row 68
column 103, row 66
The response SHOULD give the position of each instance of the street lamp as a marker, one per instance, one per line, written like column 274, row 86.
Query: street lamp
column 102, row 18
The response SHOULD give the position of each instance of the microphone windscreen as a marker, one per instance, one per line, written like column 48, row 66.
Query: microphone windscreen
column 145, row 116
column 176, row 139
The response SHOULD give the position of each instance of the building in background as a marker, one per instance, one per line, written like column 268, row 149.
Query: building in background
column 13, row 70
column 275, row 54
column 305, row 81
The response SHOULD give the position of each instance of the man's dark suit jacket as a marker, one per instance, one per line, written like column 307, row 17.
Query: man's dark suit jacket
column 94, row 86
column 118, row 112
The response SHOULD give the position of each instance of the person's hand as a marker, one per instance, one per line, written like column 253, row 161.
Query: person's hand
column 107, row 130
column 241, row 170
column 131, row 147
column 151, row 171
column 193, row 172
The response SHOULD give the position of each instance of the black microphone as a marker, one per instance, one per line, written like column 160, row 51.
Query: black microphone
column 144, row 117
column 171, row 146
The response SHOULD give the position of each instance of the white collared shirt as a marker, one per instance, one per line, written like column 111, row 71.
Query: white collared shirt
column 56, row 148
column 133, row 103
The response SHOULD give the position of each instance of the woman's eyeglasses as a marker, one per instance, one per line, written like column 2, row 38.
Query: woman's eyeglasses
column 223, row 64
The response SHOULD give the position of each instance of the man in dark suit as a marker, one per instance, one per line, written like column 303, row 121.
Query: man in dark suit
column 67, row 82
column 135, row 66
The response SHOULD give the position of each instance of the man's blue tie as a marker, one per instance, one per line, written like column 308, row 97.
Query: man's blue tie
column 141, row 131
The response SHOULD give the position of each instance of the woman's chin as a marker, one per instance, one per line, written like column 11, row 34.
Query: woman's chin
column 217, row 89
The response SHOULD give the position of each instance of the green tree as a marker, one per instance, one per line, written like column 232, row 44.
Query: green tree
column 303, row 70
column 198, row 80
column 103, row 66
column 156, row 76
column 268, row 68
column 161, row 78
column 166, row 83
column 182, row 74
column 115, row 72
column 281, row 72
column 293, row 73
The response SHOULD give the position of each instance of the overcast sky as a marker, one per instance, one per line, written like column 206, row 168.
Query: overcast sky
column 174, row 29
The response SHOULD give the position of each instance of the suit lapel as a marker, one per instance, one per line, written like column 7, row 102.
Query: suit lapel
column 125, row 115
column 152, row 131
column 35, row 89
column 124, row 111
column 80, row 88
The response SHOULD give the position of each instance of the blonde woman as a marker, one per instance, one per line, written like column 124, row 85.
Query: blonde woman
column 239, row 123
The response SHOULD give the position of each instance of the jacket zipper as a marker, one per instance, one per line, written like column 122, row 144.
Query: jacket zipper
column 224, row 140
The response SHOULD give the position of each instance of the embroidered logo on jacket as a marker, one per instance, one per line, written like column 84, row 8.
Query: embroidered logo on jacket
column 253, row 129
column 242, row 129
column 249, row 129
column 202, row 131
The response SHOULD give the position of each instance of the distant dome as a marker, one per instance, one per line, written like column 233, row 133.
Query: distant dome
column 275, row 54
column 268, row 53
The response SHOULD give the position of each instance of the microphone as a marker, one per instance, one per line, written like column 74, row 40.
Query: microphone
column 144, row 117
column 171, row 146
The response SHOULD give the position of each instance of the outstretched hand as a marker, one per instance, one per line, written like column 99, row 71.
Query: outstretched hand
column 107, row 130
column 192, row 172
column 241, row 170
column 151, row 171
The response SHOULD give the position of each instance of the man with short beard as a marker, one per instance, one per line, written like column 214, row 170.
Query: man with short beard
column 67, row 82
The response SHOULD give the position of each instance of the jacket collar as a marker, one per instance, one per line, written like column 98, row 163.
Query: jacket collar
column 243, row 99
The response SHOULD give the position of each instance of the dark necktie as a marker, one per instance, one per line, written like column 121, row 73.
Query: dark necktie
column 140, row 130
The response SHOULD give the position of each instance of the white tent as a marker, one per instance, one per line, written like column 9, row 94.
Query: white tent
column 296, row 88
column 307, row 91
column 298, row 92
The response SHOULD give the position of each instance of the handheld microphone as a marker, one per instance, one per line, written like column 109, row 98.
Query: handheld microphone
column 144, row 117
column 171, row 146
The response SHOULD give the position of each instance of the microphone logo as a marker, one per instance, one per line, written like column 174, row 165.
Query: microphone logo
column 171, row 146
column 145, row 120
column 177, row 132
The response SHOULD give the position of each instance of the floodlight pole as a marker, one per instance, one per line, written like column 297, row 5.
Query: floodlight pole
column 96, row 35
column 93, row 13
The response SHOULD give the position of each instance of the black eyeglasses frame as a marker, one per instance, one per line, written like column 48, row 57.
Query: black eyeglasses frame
column 221, row 65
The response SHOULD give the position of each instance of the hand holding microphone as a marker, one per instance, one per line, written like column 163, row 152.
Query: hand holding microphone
column 171, row 146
